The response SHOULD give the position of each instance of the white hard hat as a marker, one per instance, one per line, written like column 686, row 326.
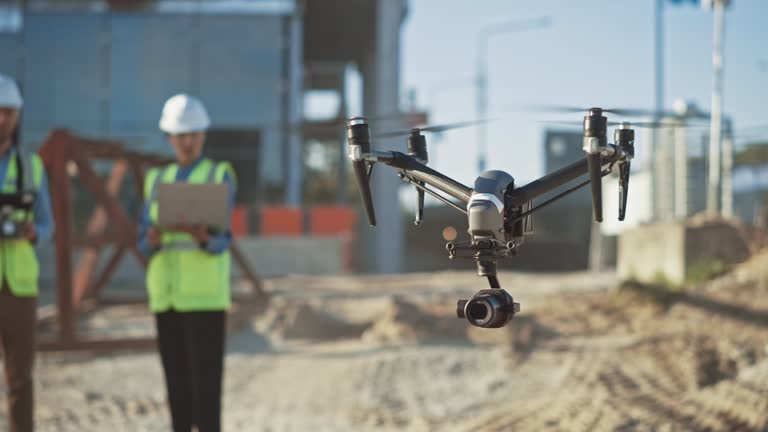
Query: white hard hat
column 184, row 114
column 10, row 96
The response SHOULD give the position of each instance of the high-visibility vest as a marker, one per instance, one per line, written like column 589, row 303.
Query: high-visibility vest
column 182, row 276
column 18, row 260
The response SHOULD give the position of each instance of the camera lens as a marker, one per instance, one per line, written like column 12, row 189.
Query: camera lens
column 482, row 309
column 491, row 308
column 478, row 310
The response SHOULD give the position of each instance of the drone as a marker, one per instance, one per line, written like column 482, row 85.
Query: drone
column 499, row 213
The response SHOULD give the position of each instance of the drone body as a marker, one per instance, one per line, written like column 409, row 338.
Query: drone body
column 486, row 205
column 499, row 214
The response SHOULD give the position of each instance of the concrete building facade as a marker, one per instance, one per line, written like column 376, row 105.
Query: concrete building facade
column 104, row 69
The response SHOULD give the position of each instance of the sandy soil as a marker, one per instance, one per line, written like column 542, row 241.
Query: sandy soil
column 386, row 354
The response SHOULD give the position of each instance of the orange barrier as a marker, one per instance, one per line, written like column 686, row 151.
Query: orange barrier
column 281, row 221
column 239, row 223
column 323, row 221
column 332, row 220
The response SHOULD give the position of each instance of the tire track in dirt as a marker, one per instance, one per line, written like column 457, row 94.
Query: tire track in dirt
column 647, row 383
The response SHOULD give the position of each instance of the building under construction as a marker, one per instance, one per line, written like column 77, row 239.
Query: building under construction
column 104, row 69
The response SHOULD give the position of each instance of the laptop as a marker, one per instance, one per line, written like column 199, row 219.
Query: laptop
column 193, row 203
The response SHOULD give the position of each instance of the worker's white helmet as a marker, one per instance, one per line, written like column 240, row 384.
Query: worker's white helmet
column 184, row 114
column 10, row 96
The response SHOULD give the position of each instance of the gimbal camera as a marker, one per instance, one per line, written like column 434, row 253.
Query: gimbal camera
column 499, row 213
column 9, row 205
column 12, row 203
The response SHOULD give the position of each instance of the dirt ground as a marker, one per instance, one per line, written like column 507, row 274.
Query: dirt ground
column 386, row 354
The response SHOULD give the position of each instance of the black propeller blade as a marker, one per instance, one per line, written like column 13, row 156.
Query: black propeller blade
column 625, row 112
column 336, row 123
column 435, row 128
column 645, row 125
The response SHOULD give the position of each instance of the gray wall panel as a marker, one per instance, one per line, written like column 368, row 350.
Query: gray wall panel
column 65, row 72
column 8, row 54
column 110, row 75
column 150, row 62
column 240, row 75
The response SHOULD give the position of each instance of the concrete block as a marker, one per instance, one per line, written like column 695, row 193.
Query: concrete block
column 277, row 256
column 268, row 256
column 670, row 250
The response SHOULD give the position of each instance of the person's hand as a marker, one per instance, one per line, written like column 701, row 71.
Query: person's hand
column 199, row 232
column 27, row 231
column 155, row 237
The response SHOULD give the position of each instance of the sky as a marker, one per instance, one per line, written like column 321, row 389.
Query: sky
column 594, row 53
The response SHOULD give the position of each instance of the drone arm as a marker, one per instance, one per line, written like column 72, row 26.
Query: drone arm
column 560, row 177
column 559, row 196
column 422, row 188
column 421, row 172
column 385, row 157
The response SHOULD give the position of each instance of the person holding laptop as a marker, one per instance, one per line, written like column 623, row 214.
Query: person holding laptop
column 188, row 278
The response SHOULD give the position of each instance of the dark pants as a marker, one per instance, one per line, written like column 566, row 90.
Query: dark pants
column 191, row 348
column 18, row 320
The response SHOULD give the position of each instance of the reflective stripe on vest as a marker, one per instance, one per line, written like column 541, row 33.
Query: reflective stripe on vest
column 181, row 275
column 30, row 181
column 19, row 266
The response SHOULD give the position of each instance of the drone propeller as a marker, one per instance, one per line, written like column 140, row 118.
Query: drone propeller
column 435, row 128
column 335, row 123
column 625, row 112
column 595, row 142
column 645, row 125
column 403, row 116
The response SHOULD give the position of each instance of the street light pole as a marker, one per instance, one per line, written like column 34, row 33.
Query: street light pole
column 658, row 105
column 481, row 79
column 715, row 131
column 727, row 181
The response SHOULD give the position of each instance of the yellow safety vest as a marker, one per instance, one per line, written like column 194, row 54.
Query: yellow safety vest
column 182, row 276
column 19, row 265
